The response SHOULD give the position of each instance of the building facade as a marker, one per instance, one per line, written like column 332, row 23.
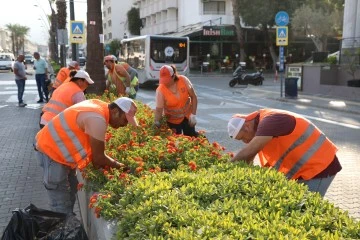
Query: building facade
column 5, row 40
column 180, row 16
column 351, row 26
column 115, row 23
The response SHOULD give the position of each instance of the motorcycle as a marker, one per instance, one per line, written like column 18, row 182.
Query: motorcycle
column 242, row 78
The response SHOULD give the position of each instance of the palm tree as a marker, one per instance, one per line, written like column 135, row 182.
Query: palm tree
column 95, row 49
column 53, row 49
column 61, row 21
column 18, row 34
column 22, row 32
column 239, row 31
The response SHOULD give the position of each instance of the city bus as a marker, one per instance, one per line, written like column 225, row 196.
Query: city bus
column 147, row 54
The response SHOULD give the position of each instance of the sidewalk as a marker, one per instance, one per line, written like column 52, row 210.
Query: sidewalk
column 21, row 178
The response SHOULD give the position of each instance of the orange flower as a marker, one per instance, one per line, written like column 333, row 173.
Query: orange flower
column 139, row 169
column 192, row 165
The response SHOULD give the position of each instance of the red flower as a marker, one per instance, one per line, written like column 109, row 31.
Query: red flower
column 192, row 165
column 79, row 186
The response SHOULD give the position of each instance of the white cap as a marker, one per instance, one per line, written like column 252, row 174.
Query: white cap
column 129, row 107
column 84, row 75
column 234, row 126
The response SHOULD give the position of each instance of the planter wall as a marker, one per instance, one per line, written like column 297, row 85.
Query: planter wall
column 96, row 228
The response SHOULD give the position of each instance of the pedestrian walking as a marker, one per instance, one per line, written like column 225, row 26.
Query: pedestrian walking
column 176, row 98
column 288, row 143
column 41, row 75
column 66, row 95
column 20, row 78
column 73, row 139
column 118, row 79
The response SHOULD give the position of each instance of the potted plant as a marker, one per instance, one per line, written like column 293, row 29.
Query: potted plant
column 352, row 66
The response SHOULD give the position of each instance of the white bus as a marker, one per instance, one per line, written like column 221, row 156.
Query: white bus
column 147, row 54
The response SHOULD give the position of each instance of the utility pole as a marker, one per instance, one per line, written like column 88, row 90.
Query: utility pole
column 73, row 45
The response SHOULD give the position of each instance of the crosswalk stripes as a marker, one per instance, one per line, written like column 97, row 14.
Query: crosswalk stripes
column 8, row 93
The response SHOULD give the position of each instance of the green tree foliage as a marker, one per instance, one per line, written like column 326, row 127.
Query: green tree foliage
column 261, row 14
column 134, row 21
column 114, row 47
column 318, row 23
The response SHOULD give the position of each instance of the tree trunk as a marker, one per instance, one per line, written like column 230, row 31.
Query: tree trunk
column 95, row 49
column 239, row 30
column 270, row 45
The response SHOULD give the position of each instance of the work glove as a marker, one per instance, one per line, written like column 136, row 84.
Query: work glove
column 192, row 120
column 127, row 90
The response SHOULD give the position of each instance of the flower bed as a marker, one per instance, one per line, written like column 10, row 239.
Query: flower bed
column 180, row 187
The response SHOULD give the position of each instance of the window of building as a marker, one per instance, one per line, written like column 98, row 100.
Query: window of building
column 214, row 8
column 109, row 10
column 110, row 36
column 105, row 37
column 109, row 23
column 104, row 13
column 104, row 25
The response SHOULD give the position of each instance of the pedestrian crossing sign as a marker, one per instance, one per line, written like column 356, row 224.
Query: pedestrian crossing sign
column 281, row 36
column 77, row 32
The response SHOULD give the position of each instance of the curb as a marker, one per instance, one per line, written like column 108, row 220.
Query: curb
column 315, row 105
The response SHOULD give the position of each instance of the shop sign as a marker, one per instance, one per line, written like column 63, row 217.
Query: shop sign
column 218, row 31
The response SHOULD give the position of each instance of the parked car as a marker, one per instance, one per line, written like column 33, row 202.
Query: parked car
column 7, row 61
column 29, row 59
column 82, row 61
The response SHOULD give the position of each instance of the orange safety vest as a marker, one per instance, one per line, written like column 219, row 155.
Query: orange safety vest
column 176, row 109
column 304, row 153
column 67, row 80
column 63, row 74
column 60, row 100
column 64, row 141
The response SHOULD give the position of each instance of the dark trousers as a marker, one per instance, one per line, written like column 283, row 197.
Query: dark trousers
column 21, row 88
column 41, row 86
column 183, row 128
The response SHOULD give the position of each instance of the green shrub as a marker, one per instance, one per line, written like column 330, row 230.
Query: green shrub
column 332, row 60
column 228, row 201
column 55, row 66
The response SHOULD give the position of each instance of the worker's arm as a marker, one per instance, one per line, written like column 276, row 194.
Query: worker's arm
column 249, row 152
column 99, row 158
column 160, row 102
column 122, row 72
column 193, row 96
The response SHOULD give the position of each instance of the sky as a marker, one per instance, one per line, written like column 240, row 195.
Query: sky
column 24, row 12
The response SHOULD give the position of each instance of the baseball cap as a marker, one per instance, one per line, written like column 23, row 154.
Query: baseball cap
column 73, row 64
column 108, row 57
column 129, row 107
column 166, row 74
column 84, row 75
column 237, row 121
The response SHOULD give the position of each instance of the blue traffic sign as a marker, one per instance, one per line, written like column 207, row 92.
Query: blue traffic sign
column 282, row 18
column 77, row 28
column 282, row 59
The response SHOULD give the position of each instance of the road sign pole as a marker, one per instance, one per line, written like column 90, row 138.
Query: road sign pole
column 73, row 45
column 281, row 69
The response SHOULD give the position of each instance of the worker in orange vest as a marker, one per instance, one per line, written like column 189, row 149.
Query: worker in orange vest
column 64, row 73
column 66, row 95
column 118, row 79
column 288, row 143
column 73, row 139
column 176, row 98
